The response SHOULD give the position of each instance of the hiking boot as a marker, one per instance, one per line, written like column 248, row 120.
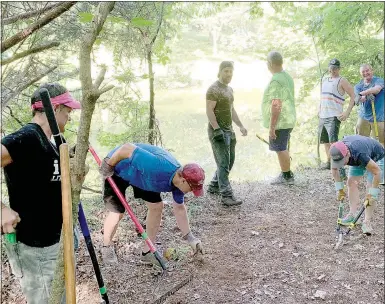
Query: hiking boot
column 325, row 166
column 367, row 228
column 230, row 201
column 108, row 255
column 281, row 180
column 213, row 190
column 347, row 220
column 149, row 259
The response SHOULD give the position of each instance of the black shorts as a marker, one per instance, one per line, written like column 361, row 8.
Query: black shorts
column 280, row 143
column 328, row 130
column 112, row 202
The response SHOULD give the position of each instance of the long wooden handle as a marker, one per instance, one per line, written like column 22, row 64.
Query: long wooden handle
column 68, row 235
column 374, row 119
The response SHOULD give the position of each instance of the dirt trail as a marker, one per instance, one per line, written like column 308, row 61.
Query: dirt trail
column 276, row 248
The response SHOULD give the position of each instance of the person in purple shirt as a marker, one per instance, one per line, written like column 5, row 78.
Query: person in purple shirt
column 360, row 153
column 149, row 170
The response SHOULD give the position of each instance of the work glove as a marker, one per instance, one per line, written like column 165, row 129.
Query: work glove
column 372, row 196
column 194, row 243
column 105, row 169
column 218, row 135
column 340, row 191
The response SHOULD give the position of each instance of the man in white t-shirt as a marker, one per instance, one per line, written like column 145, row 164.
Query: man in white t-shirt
column 331, row 110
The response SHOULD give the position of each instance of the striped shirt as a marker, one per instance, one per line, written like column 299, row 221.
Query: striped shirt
column 332, row 101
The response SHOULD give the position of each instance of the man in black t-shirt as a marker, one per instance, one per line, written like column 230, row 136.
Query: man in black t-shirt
column 32, row 174
column 221, row 114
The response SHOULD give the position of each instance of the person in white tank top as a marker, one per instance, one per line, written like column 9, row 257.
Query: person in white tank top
column 331, row 108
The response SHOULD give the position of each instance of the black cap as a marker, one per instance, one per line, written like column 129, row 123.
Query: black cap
column 335, row 62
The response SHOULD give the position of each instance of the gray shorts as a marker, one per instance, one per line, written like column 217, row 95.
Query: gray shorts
column 328, row 130
column 34, row 267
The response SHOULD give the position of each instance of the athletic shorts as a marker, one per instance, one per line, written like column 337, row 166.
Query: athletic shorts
column 280, row 143
column 360, row 171
column 112, row 201
column 328, row 129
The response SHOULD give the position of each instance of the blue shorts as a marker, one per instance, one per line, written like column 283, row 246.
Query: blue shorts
column 280, row 143
column 360, row 171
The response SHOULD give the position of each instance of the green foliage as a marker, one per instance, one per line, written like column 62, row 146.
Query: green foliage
column 127, row 122
column 141, row 22
column 85, row 17
column 117, row 20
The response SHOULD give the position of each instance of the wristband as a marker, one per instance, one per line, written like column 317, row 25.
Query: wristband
column 339, row 185
column 374, row 192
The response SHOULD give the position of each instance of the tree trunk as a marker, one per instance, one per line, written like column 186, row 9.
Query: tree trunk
column 90, row 94
column 151, row 122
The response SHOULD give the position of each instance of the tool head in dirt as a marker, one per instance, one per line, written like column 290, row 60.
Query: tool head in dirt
column 339, row 240
column 199, row 250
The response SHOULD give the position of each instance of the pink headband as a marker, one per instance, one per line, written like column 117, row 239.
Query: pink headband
column 64, row 99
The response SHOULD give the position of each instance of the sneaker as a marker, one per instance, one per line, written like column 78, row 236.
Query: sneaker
column 367, row 228
column 230, row 201
column 348, row 219
column 108, row 255
column 281, row 180
column 325, row 166
column 149, row 259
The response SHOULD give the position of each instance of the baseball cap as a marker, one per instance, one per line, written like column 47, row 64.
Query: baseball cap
column 195, row 177
column 335, row 62
column 338, row 151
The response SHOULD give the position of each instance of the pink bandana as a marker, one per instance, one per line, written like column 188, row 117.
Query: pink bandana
column 64, row 99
